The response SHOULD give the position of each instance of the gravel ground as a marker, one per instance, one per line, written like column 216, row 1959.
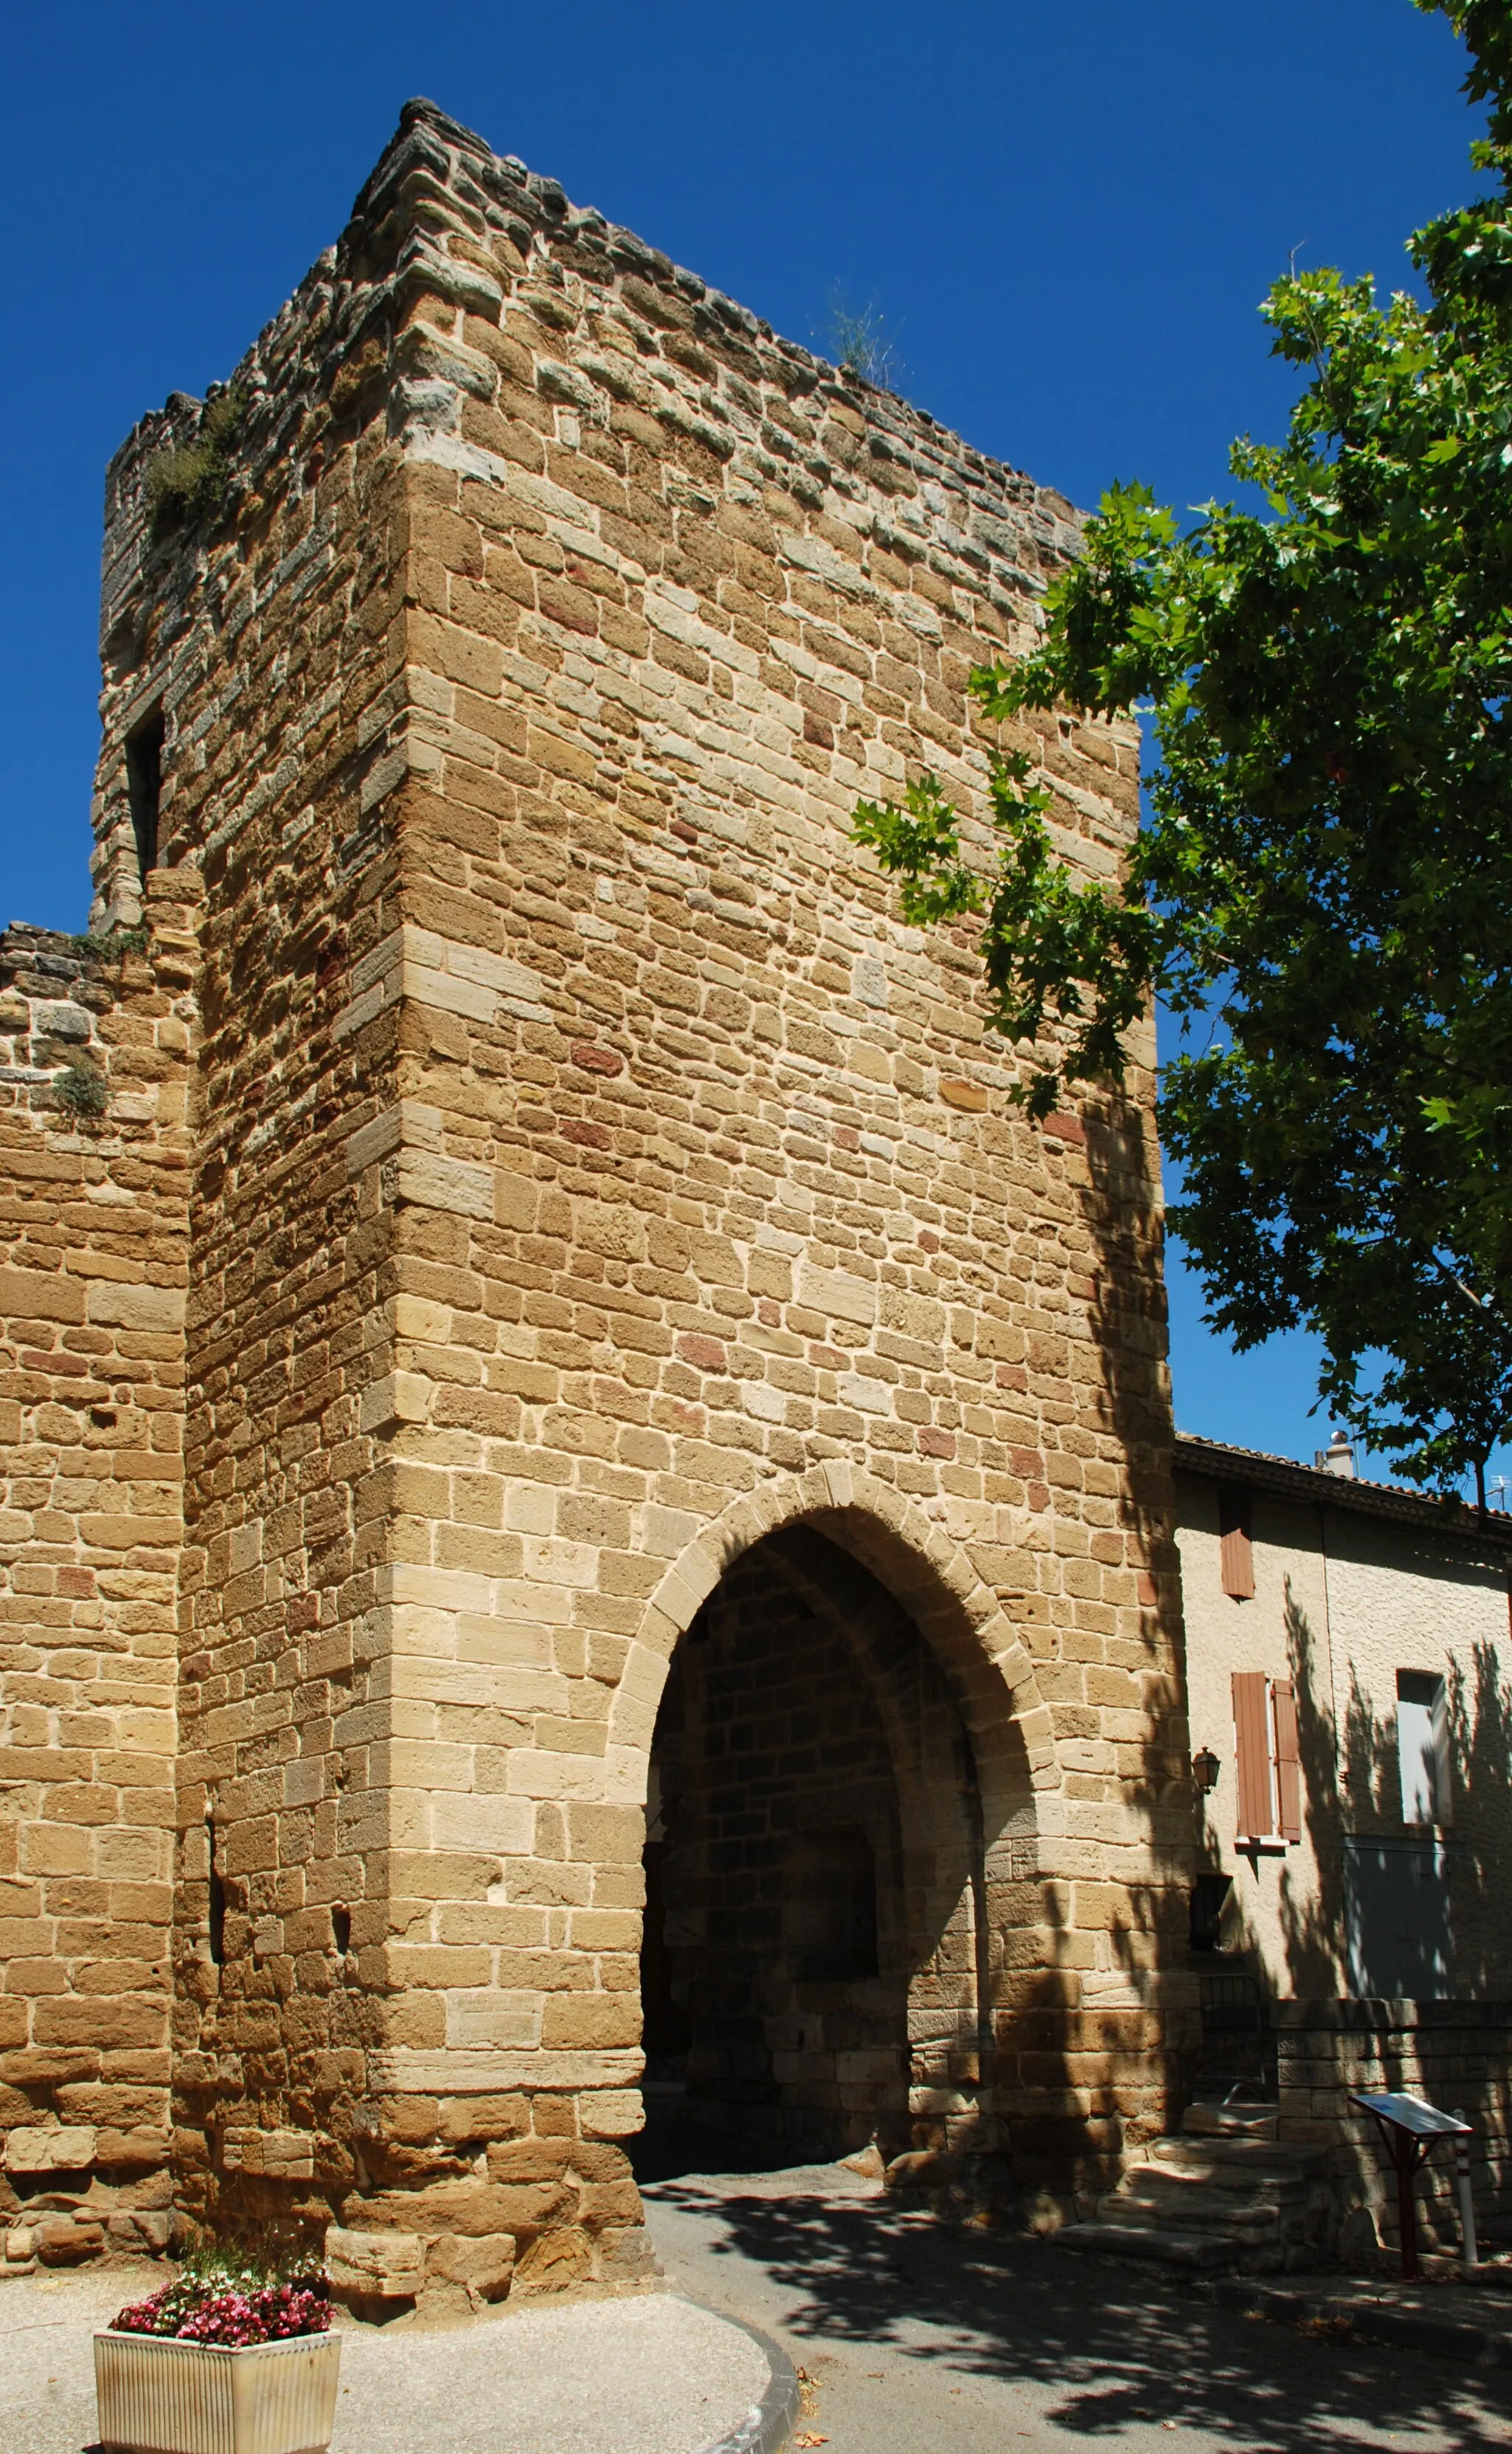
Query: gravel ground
column 649, row 2373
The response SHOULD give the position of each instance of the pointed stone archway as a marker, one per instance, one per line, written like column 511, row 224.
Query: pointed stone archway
column 838, row 1847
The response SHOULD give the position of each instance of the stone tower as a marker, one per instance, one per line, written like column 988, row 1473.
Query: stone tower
column 542, row 1364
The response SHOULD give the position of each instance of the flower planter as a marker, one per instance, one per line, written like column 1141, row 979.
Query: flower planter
column 159, row 2395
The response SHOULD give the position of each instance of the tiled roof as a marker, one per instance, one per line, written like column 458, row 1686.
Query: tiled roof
column 1221, row 1462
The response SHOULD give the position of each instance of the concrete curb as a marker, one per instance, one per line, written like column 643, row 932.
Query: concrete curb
column 768, row 2424
column 1369, row 2322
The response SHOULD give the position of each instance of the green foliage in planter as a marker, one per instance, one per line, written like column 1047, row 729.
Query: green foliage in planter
column 235, row 2297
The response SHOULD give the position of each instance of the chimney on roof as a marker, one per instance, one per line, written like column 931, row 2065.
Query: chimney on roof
column 1338, row 1457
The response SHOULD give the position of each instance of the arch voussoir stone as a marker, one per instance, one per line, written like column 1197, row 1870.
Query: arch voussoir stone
column 930, row 1575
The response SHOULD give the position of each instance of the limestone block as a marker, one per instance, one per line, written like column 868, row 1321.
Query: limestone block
column 280, row 2155
column 61, row 1020
column 143, row 1308
column 555, row 2260
column 609, row 2202
column 37, row 1295
column 490, row 2017
column 837, row 1294
column 377, row 2265
column 483, row 2264
column 67, row 2241
column 626, row 2254
column 472, row 2209
column 50, row 2151
column 612, row 2113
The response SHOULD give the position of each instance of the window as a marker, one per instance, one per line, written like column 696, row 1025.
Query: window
column 144, row 787
column 217, row 1896
column 1422, row 1746
column 1398, row 1940
column 1269, row 1806
column 1236, row 1551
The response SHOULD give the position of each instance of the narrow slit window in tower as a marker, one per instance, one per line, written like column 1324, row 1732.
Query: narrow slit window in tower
column 217, row 1899
column 144, row 785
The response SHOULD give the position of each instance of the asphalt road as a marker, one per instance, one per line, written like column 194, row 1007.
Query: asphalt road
column 916, row 2335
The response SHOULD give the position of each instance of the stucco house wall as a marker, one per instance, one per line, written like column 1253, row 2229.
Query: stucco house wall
column 1354, row 1583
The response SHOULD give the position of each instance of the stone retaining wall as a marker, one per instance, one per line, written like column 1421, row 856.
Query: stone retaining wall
column 1456, row 2055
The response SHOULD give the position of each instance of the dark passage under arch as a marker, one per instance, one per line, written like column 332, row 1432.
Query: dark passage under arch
column 812, row 1963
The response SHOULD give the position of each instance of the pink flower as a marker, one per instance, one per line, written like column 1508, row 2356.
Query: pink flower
column 198, row 2314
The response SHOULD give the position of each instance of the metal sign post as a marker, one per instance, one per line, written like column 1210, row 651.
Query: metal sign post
column 1409, row 2130
column 1462, row 2166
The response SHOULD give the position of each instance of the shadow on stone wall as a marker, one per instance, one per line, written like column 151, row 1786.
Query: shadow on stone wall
column 1149, row 2056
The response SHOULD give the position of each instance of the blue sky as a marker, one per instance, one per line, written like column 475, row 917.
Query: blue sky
column 1067, row 210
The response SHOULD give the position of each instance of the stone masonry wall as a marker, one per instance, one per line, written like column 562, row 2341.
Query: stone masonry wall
column 1455, row 2055
column 711, row 1212
column 95, row 1217
column 265, row 630
column 592, row 1176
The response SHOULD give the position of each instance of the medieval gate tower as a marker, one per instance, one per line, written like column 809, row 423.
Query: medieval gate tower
column 537, row 1356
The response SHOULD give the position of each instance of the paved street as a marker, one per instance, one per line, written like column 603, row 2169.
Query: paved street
column 918, row 2337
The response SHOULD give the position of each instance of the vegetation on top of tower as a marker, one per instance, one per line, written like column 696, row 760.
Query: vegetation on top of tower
column 186, row 480
column 112, row 944
column 862, row 344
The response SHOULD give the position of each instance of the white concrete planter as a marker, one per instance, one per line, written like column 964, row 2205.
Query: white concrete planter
column 157, row 2395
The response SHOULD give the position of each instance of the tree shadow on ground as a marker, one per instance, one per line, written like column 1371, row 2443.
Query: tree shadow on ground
column 1119, row 2343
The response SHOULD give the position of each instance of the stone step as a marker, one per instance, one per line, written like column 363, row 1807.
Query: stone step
column 1210, row 2119
column 1264, row 2157
column 1205, row 2251
column 1223, row 2187
column 1138, row 2213
column 1225, row 2193
column 1158, row 2181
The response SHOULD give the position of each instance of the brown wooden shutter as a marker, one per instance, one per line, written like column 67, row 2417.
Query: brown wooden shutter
column 1288, row 1766
column 1237, row 1550
column 1254, row 1820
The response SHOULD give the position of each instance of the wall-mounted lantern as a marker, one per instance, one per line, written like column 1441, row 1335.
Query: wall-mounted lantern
column 1205, row 1769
